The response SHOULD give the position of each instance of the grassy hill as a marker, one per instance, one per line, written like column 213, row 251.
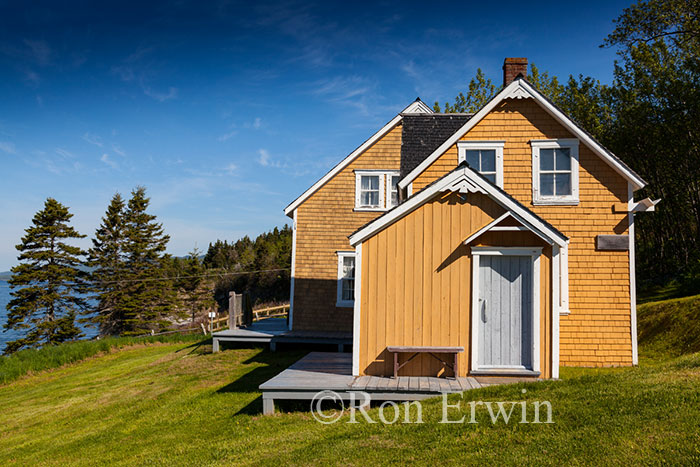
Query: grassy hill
column 670, row 327
column 176, row 403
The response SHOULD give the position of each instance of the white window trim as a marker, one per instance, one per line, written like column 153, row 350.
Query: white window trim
column 384, row 189
column 463, row 146
column 339, row 302
column 568, row 200
column 388, row 177
column 534, row 253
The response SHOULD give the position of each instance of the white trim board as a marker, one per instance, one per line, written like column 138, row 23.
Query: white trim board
column 417, row 107
column 463, row 180
column 632, row 275
column 356, row 312
column 493, row 226
column 294, row 262
column 520, row 89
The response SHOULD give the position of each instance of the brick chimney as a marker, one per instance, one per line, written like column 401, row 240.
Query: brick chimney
column 512, row 67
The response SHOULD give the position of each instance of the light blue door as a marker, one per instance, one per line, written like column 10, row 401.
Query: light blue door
column 505, row 312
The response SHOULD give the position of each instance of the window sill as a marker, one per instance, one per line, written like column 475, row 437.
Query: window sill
column 344, row 304
column 370, row 209
column 564, row 312
column 555, row 202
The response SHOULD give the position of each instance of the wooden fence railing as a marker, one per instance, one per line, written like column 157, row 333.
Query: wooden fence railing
column 268, row 312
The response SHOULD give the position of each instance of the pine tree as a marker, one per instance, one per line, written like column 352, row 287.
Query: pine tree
column 148, row 293
column 481, row 90
column 48, row 283
column 107, row 258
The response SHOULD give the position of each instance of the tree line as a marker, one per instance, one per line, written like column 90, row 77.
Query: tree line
column 125, row 283
column 649, row 117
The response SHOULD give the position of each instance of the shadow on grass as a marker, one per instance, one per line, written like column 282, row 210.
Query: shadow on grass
column 267, row 365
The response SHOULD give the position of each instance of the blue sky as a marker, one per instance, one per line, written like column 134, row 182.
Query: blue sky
column 227, row 111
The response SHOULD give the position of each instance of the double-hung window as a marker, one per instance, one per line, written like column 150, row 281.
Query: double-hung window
column 486, row 157
column 376, row 190
column 346, row 279
column 555, row 171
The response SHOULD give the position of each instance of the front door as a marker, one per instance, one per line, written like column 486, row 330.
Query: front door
column 504, row 310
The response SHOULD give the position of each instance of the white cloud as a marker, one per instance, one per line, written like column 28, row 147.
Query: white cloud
column 228, row 135
column 92, row 139
column 9, row 148
column 118, row 150
column 65, row 154
column 161, row 96
column 257, row 123
column 106, row 159
column 264, row 158
column 231, row 168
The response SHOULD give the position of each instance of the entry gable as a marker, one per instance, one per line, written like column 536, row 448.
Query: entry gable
column 463, row 180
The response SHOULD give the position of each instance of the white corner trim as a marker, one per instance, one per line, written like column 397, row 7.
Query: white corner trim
column 522, row 88
column 534, row 253
column 339, row 302
column 564, row 281
column 414, row 107
column 356, row 312
column 632, row 274
column 463, row 146
column 566, row 200
column 556, row 308
column 453, row 179
column 294, row 261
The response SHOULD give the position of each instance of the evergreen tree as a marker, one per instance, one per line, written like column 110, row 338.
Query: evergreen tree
column 107, row 258
column 48, row 283
column 192, row 280
column 480, row 91
column 148, row 296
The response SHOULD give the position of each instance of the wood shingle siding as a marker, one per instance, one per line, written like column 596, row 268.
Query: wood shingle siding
column 324, row 222
column 597, row 331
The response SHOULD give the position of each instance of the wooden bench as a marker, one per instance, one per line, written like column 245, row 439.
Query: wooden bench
column 417, row 350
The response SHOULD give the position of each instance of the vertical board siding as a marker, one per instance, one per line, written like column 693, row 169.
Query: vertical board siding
column 324, row 222
column 598, row 330
column 436, row 267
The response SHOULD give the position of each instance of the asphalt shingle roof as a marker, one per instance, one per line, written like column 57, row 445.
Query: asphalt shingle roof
column 423, row 133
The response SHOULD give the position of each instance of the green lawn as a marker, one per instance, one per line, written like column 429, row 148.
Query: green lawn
column 175, row 403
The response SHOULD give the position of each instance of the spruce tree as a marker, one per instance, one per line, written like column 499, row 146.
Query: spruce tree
column 107, row 258
column 148, row 296
column 48, row 284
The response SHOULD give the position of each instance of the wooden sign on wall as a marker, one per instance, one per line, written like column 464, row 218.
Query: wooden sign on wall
column 612, row 242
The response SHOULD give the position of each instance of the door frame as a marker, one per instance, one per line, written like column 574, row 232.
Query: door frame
column 534, row 253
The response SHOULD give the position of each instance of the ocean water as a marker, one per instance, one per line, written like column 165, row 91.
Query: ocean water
column 6, row 336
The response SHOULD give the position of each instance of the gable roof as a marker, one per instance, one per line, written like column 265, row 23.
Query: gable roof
column 463, row 180
column 416, row 107
column 421, row 134
column 521, row 89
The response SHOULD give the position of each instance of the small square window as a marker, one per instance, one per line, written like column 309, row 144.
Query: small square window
column 486, row 157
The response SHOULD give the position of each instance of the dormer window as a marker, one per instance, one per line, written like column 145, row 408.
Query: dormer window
column 376, row 190
column 555, row 171
column 486, row 157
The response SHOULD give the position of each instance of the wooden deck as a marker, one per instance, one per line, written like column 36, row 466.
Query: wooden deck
column 319, row 371
column 275, row 331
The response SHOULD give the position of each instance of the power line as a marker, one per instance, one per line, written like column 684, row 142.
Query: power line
column 175, row 278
